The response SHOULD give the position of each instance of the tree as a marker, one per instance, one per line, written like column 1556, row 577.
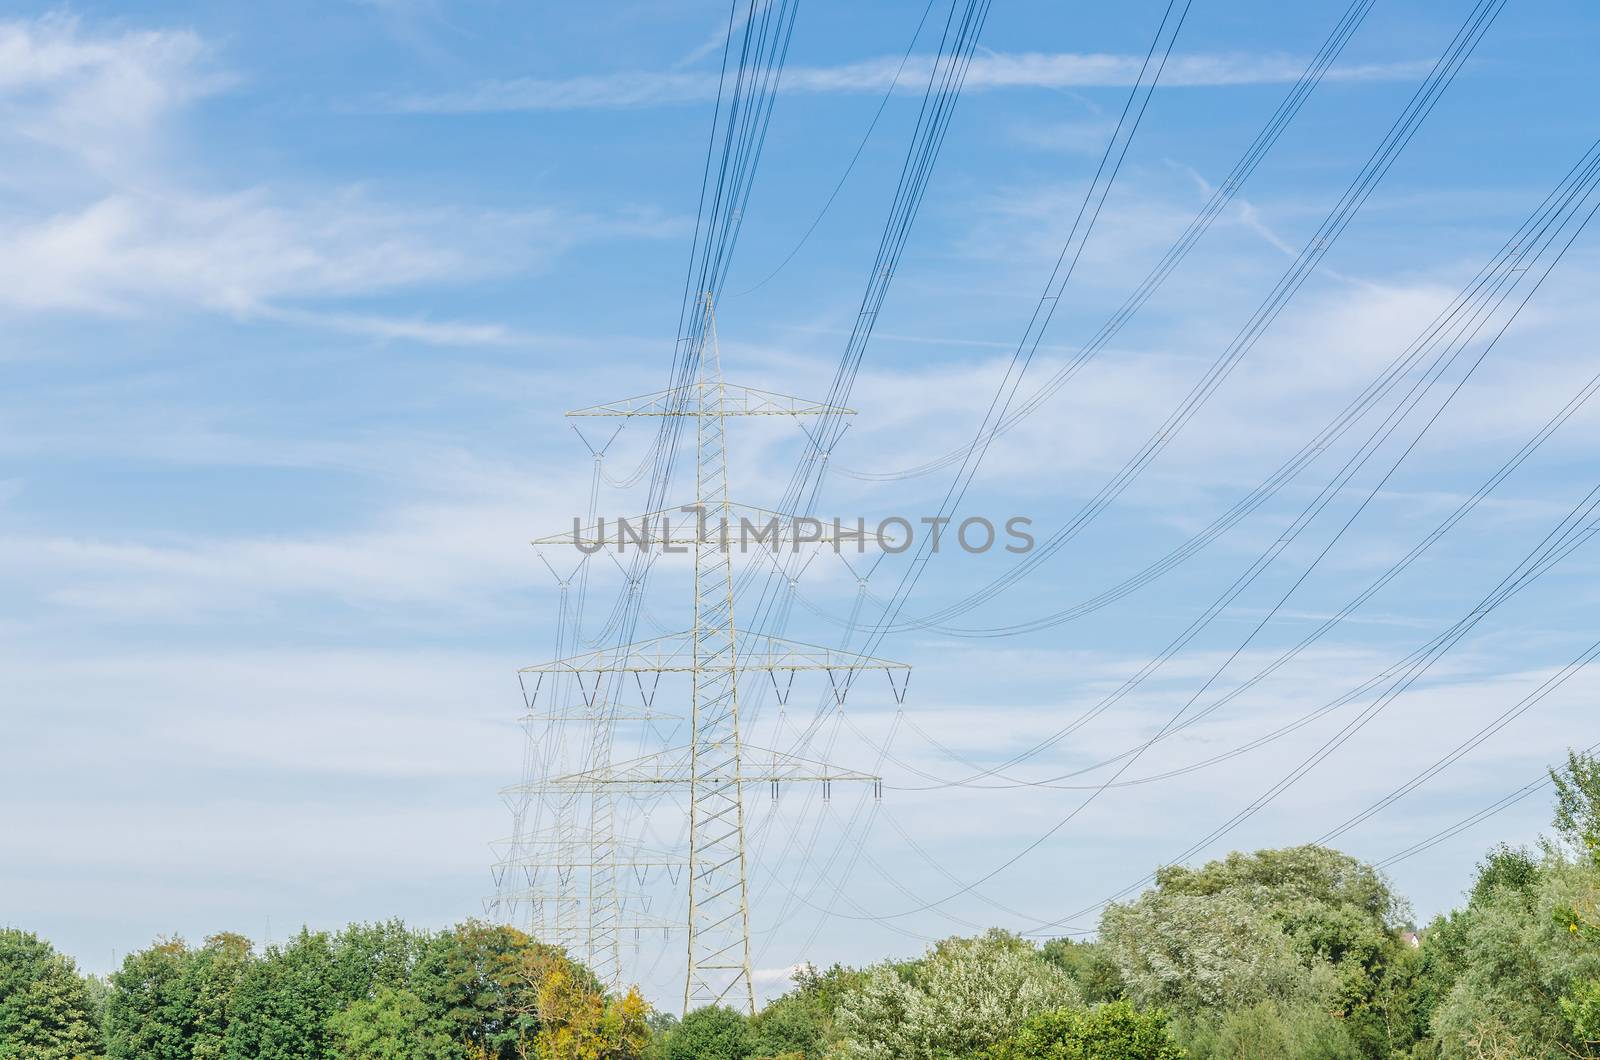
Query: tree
column 393, row 1025
column 801, row 1021
column 965, row 996
column 1516, row 868
column 479, row 982
column 1303, row 926
column 578, row 1022
column 367, row 957
column 283, row 1002
column 45, row 1012
column 1519, row 968
column 1114, row 1031
column 710, row 1033
column 1190, row 953
column 215, row 973
column 151, row 1012
column 1519, row 960
column 1269, row 1029
column 1577, row 813
column 1089, row 965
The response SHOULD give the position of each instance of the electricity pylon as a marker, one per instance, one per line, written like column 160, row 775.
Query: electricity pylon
column 715, row 765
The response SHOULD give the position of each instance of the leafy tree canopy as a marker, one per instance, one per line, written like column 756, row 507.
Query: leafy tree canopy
column 966, row 995
column 1114, row 1031
column 45, row 1012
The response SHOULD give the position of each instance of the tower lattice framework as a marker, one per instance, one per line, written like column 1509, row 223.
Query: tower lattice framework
column 716, row 766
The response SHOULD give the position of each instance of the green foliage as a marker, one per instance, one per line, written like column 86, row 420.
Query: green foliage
column 372, row 990
column 369, row 957
column 283, row 1002
column 393, row 1025
column 801, row 1022
column 1577, row 812
column 173, row 1001
column 481, row 981
column 1303, row 874
column 710, row 1033
column 1113, row 1031
column 1518, row 960
column 1269, row 1029
column 1581, row 1010
column 1280, row 953
column 1513, row 868
column 150, row 1012
column 1305, row 928
column 45, row 1009
column 1089, row 965
column 1188, row 953
column 965, row 996
column 1443, row 958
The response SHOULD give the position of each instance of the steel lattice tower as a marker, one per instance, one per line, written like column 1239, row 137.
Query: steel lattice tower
column 716, row 765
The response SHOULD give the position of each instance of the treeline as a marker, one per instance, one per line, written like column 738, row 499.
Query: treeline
column 373, row 991
column 1303, row 952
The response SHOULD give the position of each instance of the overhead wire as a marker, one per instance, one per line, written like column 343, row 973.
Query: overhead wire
column 894, row 84
column 1500, row 805
column 1377, row 166
column 1215, row 204
column 1451, row 332
column 1039, row 841
column 1566, row 537
column 1138, row 100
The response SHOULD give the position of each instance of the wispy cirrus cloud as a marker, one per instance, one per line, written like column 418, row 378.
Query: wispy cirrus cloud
column 117, row 223
column 98, row 96
column 995, row 71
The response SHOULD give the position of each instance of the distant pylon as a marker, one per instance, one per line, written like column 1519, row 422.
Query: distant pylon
column 715, row 765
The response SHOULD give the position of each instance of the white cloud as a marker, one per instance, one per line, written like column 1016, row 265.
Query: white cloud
column 251, row 252
column 115, row 224
column 97, row 95
column 1022, row 70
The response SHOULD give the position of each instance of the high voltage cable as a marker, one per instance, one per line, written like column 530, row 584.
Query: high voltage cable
column 763, row 49
column 894, row 83
column 1505, row 802
column 768, row 27
column 713, row 253
column 1224, row 194
column 957, row 43
column 1060, row 276
column 1467, row 746
column 1094, row 197
column 1506, row 271
column 1568, row 535
column 1400, row 134
column 878, row 287
column 1308, row 453
column 883, row 273
column 1566, row 539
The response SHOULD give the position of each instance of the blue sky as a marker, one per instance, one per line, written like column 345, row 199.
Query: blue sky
column 296, row 295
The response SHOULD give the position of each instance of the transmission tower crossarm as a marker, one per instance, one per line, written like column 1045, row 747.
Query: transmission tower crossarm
column 676, row 652
column 730, row 400
column 671, row 769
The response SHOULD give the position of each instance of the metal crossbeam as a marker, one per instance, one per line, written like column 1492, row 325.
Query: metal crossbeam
column 671, row 768
column 712, row 398
column 683, row 653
